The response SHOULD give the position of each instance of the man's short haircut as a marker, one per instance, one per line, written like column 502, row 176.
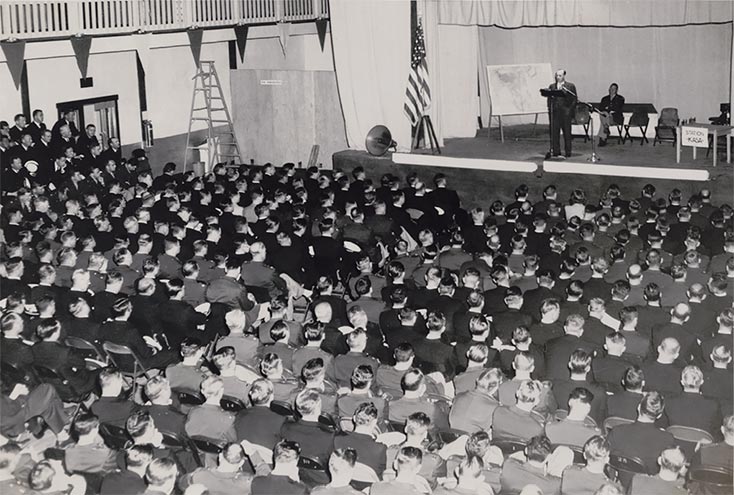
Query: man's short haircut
column 137, row 456
column 47, row 329
column 233, row 453
column 412, row 380
column 286, row 451
column 365, row 413
column 41, row 476
column 596, row 449
column 403, row 352
column 528, row 392
column 490, row 380
column 85, row 423
column 523, row 361
column 691, row 377
column 313, row 369
column 477, row 353
column 161, row 471
column 575, row 322
column 308, row 401
column 672, row 459
column 261, row 391
column 581, row 394
column 409, row 457
column 652, row 405
column 313, row 332
column 538, row 448
column 362, row 377
column 138, row 422
column 211, row 386
column 279, row 331
column 579, row 361
column 417, row 423
column 633, row 378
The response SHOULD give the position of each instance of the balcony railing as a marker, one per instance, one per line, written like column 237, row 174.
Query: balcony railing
column 37, row 19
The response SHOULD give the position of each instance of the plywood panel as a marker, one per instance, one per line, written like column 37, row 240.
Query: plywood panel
column 279, row 114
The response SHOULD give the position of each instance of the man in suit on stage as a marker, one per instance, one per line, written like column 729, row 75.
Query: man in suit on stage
column 564, row 108
column 610, row 112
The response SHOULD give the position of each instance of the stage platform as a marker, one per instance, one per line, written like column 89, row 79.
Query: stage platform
column 486, row 169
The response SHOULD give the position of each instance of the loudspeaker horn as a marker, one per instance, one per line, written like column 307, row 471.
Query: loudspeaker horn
column 379, row 140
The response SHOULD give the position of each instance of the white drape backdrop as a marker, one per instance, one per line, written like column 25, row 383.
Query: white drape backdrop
column 623, row 13
column 371, row 43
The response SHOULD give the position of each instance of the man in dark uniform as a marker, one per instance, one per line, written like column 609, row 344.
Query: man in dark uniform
column 610, row 112
column 65, row 120
column 36, row 127
column 564, row 108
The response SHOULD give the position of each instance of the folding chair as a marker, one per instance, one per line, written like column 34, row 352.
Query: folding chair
column 65, row 389
column 705, row 480
column 667, row 128
column 310, row 464
column 92, row 356
column 613, row 421
column 282, row 408
column 114, row 437
column 509, row 447
column 232, row 404
column 188, row 397
column 582, row 117
column 690, row 438
column 328, row 423
column 120, row 355
column 578, row 452
column 11, row 373
column 641, row 120
column 627, row 467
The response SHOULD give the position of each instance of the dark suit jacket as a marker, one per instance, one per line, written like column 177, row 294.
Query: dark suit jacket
column 643, row 440
column 562, row 389
column 695, row 410
column 178, row 320
column 557, row 352
column 567, row 102
column 259, row 425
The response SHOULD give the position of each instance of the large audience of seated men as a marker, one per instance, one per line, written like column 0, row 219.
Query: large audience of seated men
column 271, row 330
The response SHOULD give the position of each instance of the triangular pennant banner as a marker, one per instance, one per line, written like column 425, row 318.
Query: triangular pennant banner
column 321, row 30
column 240, row 34
column 82, row 45
column 15, row 56
column 284, row 32
column 142, row 46
column 195, row 36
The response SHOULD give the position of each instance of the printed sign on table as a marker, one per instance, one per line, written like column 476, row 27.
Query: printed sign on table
column 694, row 136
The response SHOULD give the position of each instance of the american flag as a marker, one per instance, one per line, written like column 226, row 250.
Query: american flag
column 418, row 92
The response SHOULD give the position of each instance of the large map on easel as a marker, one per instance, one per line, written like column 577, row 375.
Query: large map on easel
column 515, row 89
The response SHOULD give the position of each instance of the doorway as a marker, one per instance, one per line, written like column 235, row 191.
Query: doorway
column 101, row 112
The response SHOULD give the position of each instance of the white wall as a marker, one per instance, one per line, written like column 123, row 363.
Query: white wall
column 170, row 84
column 10, row 101
column 53, row 75
column 55, row 80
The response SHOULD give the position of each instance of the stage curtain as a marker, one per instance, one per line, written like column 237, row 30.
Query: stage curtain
column 519, row 13
column 428, row 12
column 371, row 44
column 684, row 66
column 458, row 58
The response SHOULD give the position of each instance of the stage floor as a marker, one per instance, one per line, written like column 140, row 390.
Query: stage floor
column 521, row 145
column 521, row 150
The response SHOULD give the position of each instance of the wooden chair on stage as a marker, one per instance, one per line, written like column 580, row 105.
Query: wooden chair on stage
column 667, row 128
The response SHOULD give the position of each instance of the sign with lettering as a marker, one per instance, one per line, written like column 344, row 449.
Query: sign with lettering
column 271, row 82
column 694, row 136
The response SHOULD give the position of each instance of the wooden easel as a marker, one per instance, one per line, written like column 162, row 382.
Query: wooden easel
column 433, row 141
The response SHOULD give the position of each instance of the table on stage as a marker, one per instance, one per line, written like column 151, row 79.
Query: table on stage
column 711, row 130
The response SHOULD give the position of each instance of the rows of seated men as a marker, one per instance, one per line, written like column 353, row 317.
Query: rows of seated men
column 154, row 338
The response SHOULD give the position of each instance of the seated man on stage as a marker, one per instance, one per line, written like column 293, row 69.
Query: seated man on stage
column 610, row 111
column 564, row 109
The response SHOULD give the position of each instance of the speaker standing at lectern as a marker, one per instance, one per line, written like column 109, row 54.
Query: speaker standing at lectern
column 564, row 108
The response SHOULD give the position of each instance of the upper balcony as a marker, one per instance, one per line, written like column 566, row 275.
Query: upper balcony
column 47, row 19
